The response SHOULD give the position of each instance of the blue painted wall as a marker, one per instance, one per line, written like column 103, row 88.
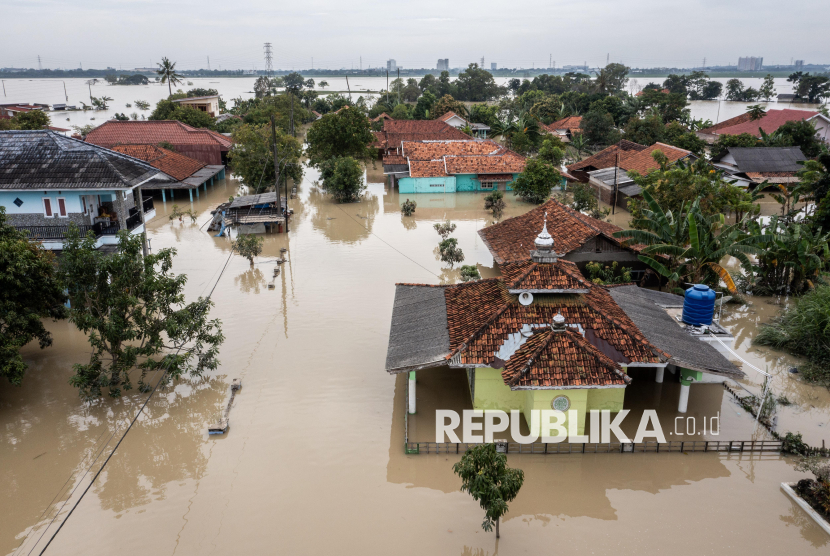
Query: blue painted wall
column 449, row 184
column 33, row 200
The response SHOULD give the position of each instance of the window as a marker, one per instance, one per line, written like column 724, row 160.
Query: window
column 47, row 207
column 61, row 207
column 18, row 201
column 436, row 185
column 488, row 184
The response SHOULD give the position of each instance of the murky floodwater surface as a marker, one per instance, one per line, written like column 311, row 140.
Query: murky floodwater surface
column 313, row 462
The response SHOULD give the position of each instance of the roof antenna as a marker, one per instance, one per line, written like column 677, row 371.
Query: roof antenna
column 558, row 324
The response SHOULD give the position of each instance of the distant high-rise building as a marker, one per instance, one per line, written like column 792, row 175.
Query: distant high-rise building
column 799, row 64
column 750, row 63
column 493, row 66
column 391, row 65
column 443, row 64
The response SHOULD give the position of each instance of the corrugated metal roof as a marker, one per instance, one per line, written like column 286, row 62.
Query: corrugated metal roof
column 767, row 159
column 419, row 336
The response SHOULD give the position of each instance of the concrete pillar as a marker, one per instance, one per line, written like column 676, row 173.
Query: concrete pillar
column 163, row 196
column 197, row 192
column 172, row 191
column 191, row 194
column 684, row 397
column 411, row 392
column 658, row 376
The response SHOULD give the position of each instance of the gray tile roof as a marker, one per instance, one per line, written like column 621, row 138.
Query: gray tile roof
column 419, row 336
column 645, row 308
column 43, row 159
column 767, row 159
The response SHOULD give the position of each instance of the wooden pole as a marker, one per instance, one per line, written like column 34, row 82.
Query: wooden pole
column 348, row 88
column 616, row 171
column 143, row 221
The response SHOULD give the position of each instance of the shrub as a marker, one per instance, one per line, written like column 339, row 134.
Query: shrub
column 444, row 229
column 450, row 252
column 494, row 202
column 343, row 178
column 585, row 200
column 408, row 207
column 614, row 274
column 248, row 246
column 469, row 272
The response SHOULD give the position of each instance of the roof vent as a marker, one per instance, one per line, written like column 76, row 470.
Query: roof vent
column 558, row 324
column 526, row 298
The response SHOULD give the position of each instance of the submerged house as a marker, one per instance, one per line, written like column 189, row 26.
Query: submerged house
column 209, row 104
column 579, row 238
column 769, row 122
column 48, row 181
column 455, row 166
column 204, row 145
column 541, row 336
column 565, row 128
column 478, row 130
column 751, row 166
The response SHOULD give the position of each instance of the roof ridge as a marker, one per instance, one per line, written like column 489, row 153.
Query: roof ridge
column 463, row 345
column 599, row 356
column 532, row 358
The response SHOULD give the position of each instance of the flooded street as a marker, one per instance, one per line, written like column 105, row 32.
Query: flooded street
column 313, row 462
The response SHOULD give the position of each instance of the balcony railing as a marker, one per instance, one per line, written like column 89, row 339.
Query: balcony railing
column 148, row 204
column 134, row 221
column 60, row 232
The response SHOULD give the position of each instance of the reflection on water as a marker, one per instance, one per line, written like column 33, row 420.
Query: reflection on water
column 316, row 435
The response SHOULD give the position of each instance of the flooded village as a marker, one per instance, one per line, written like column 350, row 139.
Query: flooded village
column 286, row 312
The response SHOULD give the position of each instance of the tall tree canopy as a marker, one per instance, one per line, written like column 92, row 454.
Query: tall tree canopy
column 345, row 133
column 29, row 292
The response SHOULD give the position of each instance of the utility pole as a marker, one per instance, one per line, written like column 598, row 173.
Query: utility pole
column 704, row 63
column 39, row 66
column 387, row 87
column 550, row 60
column 348, row 88
column 64, row 91
column 291, row 94
column 276, row 166
column 143, row 221
column 4, row 88
column 208, row 63
column 616, row 172
column 90, row 90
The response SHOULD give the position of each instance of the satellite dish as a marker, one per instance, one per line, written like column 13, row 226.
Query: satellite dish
column 526, row 298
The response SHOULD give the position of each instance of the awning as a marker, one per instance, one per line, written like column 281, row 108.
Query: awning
column 495, row 177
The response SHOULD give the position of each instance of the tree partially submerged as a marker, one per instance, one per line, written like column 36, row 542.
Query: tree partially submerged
column 343, row 179
column 536, row 182
column 133, row 309
column 450, row 252
column 29, row 292
column 486, row 476
column 248, row 246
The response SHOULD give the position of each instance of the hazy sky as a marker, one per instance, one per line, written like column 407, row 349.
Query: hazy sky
column 639, row 33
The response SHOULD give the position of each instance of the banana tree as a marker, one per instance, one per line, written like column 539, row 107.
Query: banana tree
column 579, row 145
column 792, row 262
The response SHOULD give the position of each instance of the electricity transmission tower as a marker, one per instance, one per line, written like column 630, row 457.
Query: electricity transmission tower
column 269, row 56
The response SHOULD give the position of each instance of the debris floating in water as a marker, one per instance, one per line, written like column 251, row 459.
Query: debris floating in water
column 222, row 426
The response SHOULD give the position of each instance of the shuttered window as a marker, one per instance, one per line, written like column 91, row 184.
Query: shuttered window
column 47, row 207
column 61, row 207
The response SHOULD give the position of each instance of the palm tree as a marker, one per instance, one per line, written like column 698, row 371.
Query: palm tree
column 689, row 247
column 167, row 72
column 756, row 112
column 579, row 144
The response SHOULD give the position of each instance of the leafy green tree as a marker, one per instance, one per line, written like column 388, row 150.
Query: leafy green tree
column 444, row 86
column 552, row 151
column 34, row 119
column 486, row 476
column 346, row 133
column 645, row 131
column 252, row 157
column 343, row 178
column 670, row 106
column 401, row 112
column 585, row 201
column 599, row 129
column 673, row 185
column 802, row 134
column 411, row 91
column 677, row 135
column 408, row 207
column 444, row 229
column 30, row 291
column 248, row 246
column 167, row 73
column 536, row 182
column 323, row 84
column 813, row 88
column 469, row 272
column 767, row 90
column 448, row 104
column 142, row 104
column 133, row 310
column 494, row 202
column 423, row 110
column 428, row 83
column 756, row 112
column 476, row 84
column 579, row 145
column 449, row 251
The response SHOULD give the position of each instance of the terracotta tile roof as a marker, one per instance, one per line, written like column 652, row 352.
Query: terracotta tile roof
column 762, row 175
column 563, row 359
column 152, row 132
column 513, row 239
column 607, row 158
column 382, row 116
column 173, row 164
column 530, row 276
column 480, row 327
column 496, row 177
column 570, row 123
column 643, row 161
column 641, row 93
column 394, row 159
column 447, row 116
column 460, row 157
column 769, row 123
column 396, row 131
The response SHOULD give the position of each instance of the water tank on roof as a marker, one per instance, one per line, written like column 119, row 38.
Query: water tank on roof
column 699, row 305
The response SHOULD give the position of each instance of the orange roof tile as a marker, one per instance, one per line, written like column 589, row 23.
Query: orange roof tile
column 530, row 276
column 460, row 157
column 607, row 157
column 513, row 239
column 563, row 359
column 152, row 132
column 643, row 161
column 769, row 122
column 173, row 164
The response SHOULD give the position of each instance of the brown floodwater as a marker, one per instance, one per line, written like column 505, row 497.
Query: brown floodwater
column 313, row 462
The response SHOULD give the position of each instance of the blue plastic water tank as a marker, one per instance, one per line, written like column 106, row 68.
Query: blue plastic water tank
column 699, row 305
